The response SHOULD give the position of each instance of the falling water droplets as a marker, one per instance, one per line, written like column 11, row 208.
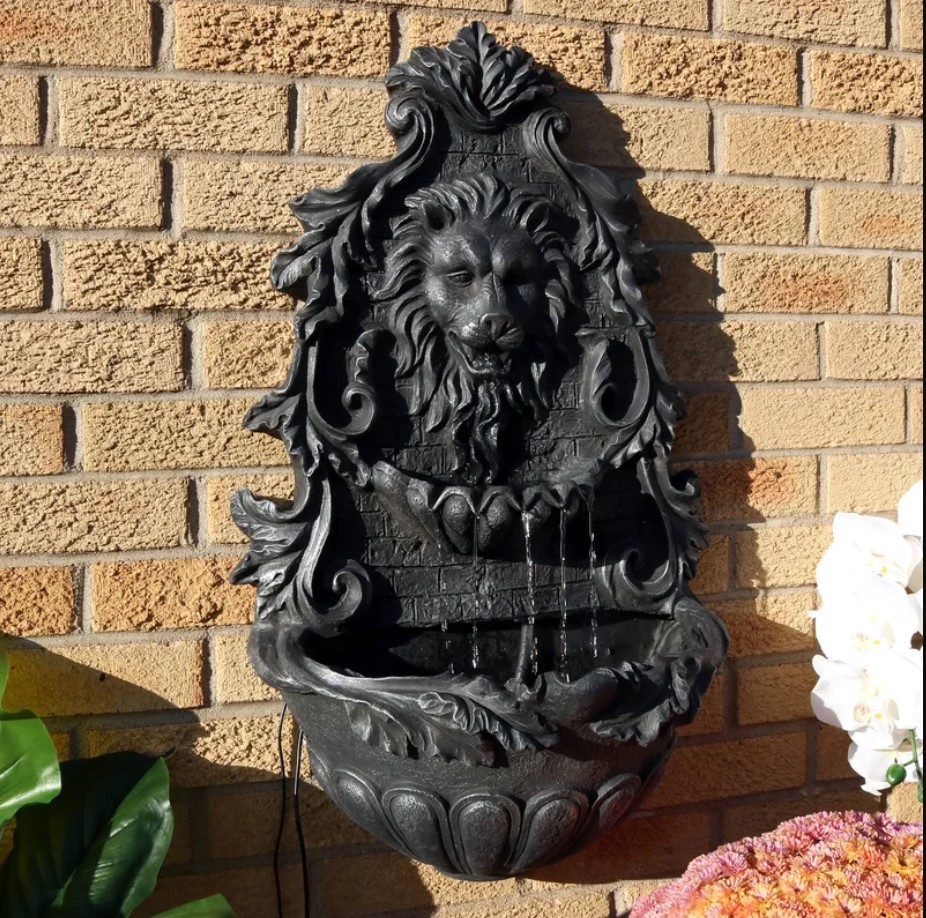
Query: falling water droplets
column 563, row 608
column 477, row 605
column 474, row 645
column 531, row 594
column 448, row 646
column 592, row 560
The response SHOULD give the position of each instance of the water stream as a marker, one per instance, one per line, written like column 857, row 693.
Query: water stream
column 563, row 607
column 592, row 560
column 528, row 651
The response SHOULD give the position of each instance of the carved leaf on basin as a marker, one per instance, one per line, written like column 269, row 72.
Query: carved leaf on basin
column 481, row 834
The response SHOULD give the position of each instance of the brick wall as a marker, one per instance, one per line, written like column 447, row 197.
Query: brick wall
column 146, row 152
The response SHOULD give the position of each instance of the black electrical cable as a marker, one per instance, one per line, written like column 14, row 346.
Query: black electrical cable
column 277, row 879
column 300, row 834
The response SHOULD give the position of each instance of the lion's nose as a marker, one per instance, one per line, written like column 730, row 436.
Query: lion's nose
column 496, row 325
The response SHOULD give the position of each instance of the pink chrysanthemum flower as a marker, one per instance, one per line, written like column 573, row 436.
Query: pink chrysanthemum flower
column 829, row 865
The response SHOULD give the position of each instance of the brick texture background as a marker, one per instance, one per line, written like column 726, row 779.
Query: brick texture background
column 147, row 149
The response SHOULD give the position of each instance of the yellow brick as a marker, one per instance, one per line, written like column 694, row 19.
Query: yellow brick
column 871, row 219
column 245, row 824
column 89, row 357
column 643, row 845
column 249, row 890
column 871, row 482
column 252, row 196
column 714, row 567
column 93, row 516
column 836, row 22
column 219, row 491
column 99, row 191
column 181, row 844
column 181, row 593
column 235, row 678
column 807, row 148
column 375, row 883
column 19, row 109
column 757, row 818
column 678, row 14
column 911, row 25
column 84, row 33
column 792, row 283
column 702, row 68
column 247, row 355
column 173, row 114
column 740, row 351
column 138, row 435
column 712, row 714
column 588, row 905
column 757, row 489
column 807, row 418
column 627, row 136
column 62, row 743
column 706, row 427
column 31, row 440
column 576, row 55
column 874, row 350
column 281, row 39
column 911, row 139
column 910, row 278
column 779, row 556
column 686, row 211
column 766, row 694
column 873, row 83
column 688, row 285
column 773, row 623
column 833, row 754
column 346, row 122
column 206, row 753
column 716, row 771
column 904, row 804
column 37, row 601
column 915, row 414
column 115, row 275
column 21, row 275
column 107, row 678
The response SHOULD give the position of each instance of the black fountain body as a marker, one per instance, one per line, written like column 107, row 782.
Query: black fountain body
column 477, row 603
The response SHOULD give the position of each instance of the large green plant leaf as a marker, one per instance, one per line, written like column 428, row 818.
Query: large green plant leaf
column 94, row 851
column 28, row 759
column 213, row 907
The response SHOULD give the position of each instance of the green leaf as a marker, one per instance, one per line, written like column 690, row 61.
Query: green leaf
column 94, row 851
column 28, row 758
column 213, row 907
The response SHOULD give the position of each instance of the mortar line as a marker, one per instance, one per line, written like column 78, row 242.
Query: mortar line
column 168, row 22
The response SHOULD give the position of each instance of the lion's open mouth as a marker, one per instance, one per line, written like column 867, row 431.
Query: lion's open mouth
column 482, row 364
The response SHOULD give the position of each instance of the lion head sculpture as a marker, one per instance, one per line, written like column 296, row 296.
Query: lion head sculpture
column 477, row 292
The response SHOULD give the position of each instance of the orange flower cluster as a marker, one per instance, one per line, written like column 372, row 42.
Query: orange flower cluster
column 829, row 865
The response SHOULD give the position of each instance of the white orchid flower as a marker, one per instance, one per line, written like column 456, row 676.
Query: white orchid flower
column 878, row 705
column 866, row 613
column 866, row 543
column 872, row 765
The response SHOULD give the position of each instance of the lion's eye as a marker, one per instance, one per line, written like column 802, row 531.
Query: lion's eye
column 460, row 278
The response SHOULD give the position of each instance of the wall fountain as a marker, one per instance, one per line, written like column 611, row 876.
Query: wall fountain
column 477, row 603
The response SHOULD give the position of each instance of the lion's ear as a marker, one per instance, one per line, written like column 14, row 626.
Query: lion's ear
column 435, row 216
